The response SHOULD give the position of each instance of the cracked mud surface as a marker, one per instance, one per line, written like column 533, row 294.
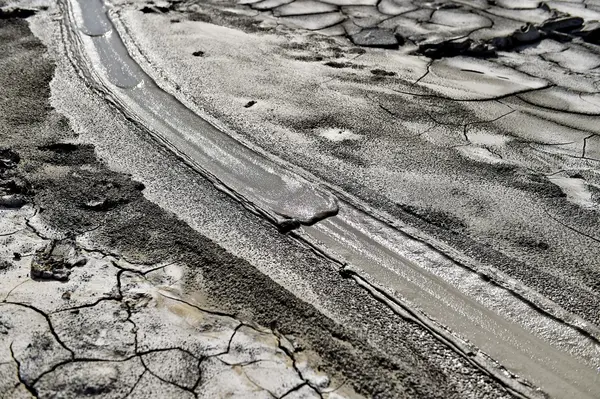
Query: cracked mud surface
column 494, row 155
column 122, row 330
column 105, row 294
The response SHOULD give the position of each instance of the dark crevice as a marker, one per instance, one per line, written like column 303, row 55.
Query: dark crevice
column 290, row 355
column 573, row 229
column 14, row 288
column 518, row 95
column 85, row 306
column 292, row 390
column 48, row 321
column 11, row 233
column 583, row 151
column 28, row 386
column 466, row 100
column 425, row 74
column 184, row 388
column 199, row 368
column 213, row 312
column 240, row 364
column 16, row 13
column 134, row 386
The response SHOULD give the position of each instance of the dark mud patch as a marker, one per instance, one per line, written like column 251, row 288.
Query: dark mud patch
column 296, row 46
column 356, row 50
column 60, row 148
column 437, row 218
column 341, row 64
column 337, row 65
column 199, row 17
column 148, row 10
column 67, row 153
column 16, row 13
column 381, row 72
column 307, row 58
column 155, row 10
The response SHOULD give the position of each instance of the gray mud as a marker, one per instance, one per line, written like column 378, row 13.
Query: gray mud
column 460, row 79
column 268, row 188
column 76, row 194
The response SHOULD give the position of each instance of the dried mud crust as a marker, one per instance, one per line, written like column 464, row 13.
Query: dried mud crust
column 435, row 29
column 75, row 195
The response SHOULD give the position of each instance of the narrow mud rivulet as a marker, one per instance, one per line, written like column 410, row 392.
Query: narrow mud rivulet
column 456, row 152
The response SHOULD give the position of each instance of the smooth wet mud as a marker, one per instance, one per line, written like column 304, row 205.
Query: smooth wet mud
column 93, row 19
column 463, row 302
column 265, row 187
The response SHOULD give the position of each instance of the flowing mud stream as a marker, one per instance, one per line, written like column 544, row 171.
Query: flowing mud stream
column 255, row 180
column 481, row 320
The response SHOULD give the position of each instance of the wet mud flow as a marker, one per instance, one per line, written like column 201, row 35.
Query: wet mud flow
column 559, row 357
column 259, row 183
